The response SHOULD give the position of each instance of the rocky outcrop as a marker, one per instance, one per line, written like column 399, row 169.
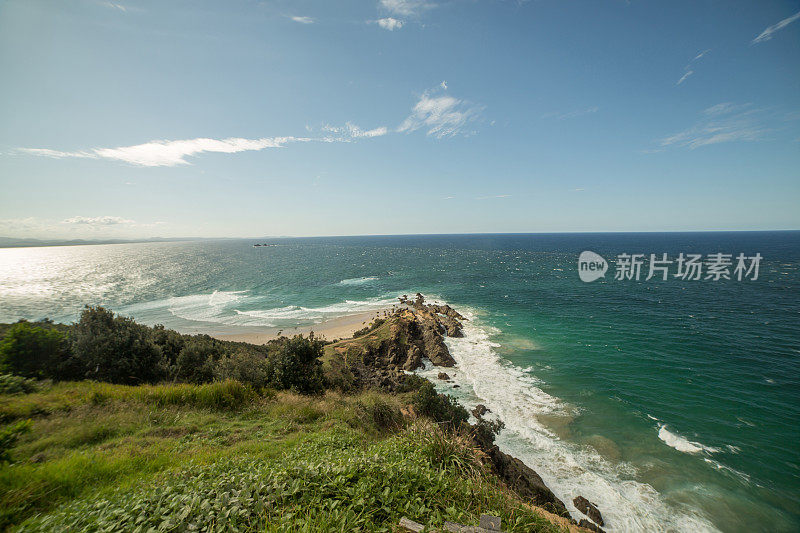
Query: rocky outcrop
column 590, row 526
column 589, row 509
column 480, row 410
column 525, row 482
column 414, row 331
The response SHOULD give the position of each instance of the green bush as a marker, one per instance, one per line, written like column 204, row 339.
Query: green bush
column 380, row 412
column 33, row 351
column 9, row 436
column 245, row 367
column 195, row 362
column 442, row 408
column 116, row 349
column 11, row 384
column 295, row 365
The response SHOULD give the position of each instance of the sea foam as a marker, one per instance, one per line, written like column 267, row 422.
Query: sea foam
column 514, row 395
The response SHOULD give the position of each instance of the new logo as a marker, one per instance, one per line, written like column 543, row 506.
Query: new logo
column 591, row 266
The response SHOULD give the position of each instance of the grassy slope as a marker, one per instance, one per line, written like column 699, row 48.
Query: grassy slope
column 219, row 456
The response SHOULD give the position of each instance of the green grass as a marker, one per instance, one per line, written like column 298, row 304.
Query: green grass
column 106, row 457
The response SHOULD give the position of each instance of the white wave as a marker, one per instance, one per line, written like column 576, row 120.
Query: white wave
column 357, row 281
column 230, row 308
column 513, row 395
column 682, row 444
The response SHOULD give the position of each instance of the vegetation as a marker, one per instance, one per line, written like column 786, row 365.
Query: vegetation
column 106, row 347
column 138, row 457
column 168, row 432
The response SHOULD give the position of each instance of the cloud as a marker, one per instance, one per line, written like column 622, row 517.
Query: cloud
column 687, row 70
column 115, row 5
column 683, row 78
column 169, row 153
column 442, row 115
column 351, row 131
column 572, row 114
column 390, row 23
column 406, row 7
column 726, row 122
column 98, row 221
column 493, row 197
column 766, row 35
column 303, row 20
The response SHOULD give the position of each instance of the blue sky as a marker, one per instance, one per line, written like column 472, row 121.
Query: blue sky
column 242, row 118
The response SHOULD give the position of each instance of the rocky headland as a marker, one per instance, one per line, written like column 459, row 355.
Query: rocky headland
column 383, row 354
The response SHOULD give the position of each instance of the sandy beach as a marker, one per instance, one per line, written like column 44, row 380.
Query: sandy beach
column 341, row 327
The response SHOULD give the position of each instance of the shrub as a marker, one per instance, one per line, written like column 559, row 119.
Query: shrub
column 244, row 367
column 9, row 436
column 484, row 431
column 442, row 408
column 116, row 349
column 33, row 351
column 380, row 412
column 195, row 362
column 295, row 365
column 411, row 383
column 11, row 384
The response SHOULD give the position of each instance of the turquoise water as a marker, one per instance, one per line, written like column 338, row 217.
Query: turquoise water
column 674, row 405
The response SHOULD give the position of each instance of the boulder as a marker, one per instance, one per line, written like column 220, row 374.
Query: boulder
column 525, row 482
column 589, row 509
column 590, row 526
column 443, row 376
column 480, row 410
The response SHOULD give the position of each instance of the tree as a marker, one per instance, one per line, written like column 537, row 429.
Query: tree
column 33, row 351
column 295, row 365
column 116, row 349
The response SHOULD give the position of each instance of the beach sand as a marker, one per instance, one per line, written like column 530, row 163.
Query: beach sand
column 341, row 327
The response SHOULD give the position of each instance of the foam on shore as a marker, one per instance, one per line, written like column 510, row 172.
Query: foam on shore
column 514, row 395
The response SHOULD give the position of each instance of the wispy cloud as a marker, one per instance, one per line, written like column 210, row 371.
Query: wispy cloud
column 571, row 114
column 687, row 70
column 115, row 5
column 351, row 131
column 406, row 8
column 726, row 122
column 389, row 23
column 766, row 35
column 98, row 221
column 169, row 153
column 441, row 115
column 686, row 75
column 302, row 20
column 493, row 197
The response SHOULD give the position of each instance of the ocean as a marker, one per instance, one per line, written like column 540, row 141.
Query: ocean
column 674, row 404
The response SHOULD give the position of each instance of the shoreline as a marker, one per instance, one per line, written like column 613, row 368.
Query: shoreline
column 341, row 327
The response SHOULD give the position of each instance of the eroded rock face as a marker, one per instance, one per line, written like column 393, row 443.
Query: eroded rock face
column 525, row 482
column 589, row 509
column 590, row 526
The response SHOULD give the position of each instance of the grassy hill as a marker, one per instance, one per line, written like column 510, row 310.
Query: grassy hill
column 219, row 456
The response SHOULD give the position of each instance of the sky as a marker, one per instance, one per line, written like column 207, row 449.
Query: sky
column 244, row 118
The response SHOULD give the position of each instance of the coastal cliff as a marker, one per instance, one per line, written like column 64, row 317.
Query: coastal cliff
column 383, row 354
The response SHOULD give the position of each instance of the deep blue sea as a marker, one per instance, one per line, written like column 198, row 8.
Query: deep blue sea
column 674, row 405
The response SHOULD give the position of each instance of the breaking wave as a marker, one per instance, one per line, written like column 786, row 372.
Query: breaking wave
column 514, row 395
column 358, row 281
column 237, row 308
